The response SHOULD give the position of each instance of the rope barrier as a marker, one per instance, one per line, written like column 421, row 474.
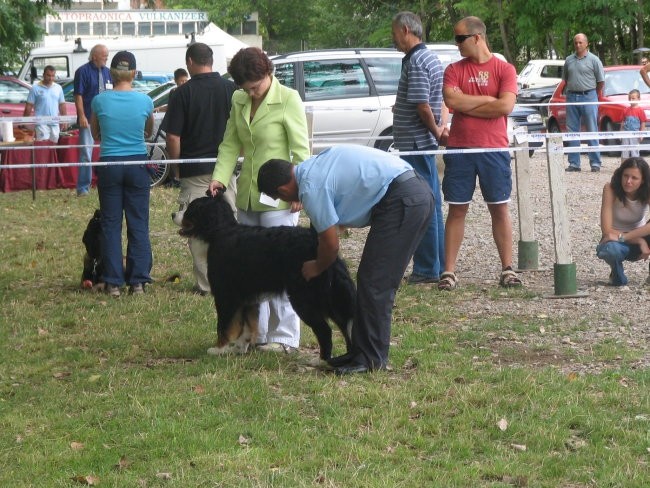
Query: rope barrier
column 522, row 138
column 49, row 119
column 71, row 119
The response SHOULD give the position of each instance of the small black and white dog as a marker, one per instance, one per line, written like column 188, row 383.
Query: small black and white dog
column 245, row 263
column 93, row 265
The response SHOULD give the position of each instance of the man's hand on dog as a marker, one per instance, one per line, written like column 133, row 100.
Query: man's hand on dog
column 310, row 270
column 215, row 188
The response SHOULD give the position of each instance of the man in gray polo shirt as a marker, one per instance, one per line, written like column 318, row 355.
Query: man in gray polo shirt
column 419, row 124
column 585, row 79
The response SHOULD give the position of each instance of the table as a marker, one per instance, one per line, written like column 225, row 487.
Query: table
column 21, row 179
column 45, row 178
column 71, row 155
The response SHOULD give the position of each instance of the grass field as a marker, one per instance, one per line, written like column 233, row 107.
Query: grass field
column 120, row 393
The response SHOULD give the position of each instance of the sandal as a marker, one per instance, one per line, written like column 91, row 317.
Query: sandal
column 448, row 281
column 509, row 279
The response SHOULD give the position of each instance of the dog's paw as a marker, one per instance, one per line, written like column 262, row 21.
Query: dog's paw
column 99, row 287
column 218, row 351
column 177, row 217
column 232, row 348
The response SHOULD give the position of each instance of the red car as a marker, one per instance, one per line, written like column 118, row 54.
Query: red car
column 619, row 80
column 13, row 95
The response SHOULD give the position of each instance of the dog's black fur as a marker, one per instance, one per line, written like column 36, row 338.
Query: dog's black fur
column 93, row 264
column 247, row 262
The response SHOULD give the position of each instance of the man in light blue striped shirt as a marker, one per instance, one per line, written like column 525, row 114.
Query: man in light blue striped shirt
column 419, row 124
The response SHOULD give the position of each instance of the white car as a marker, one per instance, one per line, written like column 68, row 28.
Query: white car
column 349, row 91
column 541, row 72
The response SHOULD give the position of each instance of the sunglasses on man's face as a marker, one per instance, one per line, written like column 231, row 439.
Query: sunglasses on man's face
column 460, row 38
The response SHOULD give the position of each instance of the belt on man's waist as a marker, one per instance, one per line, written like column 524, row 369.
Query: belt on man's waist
column 574, row 92
column 407, row 175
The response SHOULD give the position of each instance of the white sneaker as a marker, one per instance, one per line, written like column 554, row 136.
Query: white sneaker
column 137, row 289
column 112, row 290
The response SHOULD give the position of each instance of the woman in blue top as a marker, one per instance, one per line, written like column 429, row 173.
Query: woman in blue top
column 121, row 120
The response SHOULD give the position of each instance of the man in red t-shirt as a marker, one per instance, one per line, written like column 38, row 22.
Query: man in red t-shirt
column 481, row 90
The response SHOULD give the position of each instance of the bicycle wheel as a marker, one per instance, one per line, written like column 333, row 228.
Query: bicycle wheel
column 159, row 170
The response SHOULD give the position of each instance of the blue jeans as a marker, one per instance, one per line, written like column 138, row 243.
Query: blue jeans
column 614, row 253
column 587, row 114
column 85, row 173
column 429, row 257
column 124, row 191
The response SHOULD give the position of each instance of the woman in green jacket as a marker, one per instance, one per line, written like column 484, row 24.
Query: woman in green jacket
column 267, row 121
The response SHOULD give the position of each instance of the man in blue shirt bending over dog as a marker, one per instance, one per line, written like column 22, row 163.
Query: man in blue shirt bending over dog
column 357, row 186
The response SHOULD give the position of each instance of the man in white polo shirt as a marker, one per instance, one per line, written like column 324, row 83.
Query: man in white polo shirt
column 46, row 99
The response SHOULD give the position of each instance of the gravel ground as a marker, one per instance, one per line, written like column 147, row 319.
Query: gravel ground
column 603, row 316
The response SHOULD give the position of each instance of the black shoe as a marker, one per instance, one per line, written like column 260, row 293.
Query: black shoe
column 341, row 360
column 595, row 169
column 351, row 368
column 416, row 279
column 197, row 291
column 571, row 169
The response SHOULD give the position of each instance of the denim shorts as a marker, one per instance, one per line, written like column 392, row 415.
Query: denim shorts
column 493, row 171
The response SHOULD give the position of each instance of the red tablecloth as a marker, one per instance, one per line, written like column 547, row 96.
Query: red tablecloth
column 71, row 155
column 21, row 179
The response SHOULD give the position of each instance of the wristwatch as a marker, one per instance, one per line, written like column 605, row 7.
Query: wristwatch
column 621, row 238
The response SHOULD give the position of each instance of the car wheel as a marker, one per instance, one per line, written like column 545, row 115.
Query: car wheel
column 553, row 127
column 543, row 109
column 385, row 144
column 608, row 126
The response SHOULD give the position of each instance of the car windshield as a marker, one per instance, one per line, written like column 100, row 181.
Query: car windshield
column 160, row 89
column 527, row 69
column 620, row 82
column 12, row 92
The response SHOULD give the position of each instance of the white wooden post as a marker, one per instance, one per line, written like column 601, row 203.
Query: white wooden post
column 528, row 247
column 564, row 269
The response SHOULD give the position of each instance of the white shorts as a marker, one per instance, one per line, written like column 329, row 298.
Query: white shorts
column 47, row 133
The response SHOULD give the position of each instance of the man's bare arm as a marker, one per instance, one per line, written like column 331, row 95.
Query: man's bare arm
column 500, row 107
column 173, row 145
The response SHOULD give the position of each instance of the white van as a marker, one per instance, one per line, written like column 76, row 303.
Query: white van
column 161, row 54
column 541, row 72
column 158, row 55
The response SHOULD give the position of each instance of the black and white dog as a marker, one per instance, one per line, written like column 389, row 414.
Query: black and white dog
column 245, row 263
column 91, row 277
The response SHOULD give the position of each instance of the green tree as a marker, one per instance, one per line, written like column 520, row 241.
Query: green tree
column 283, row 23
column 18, row 29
